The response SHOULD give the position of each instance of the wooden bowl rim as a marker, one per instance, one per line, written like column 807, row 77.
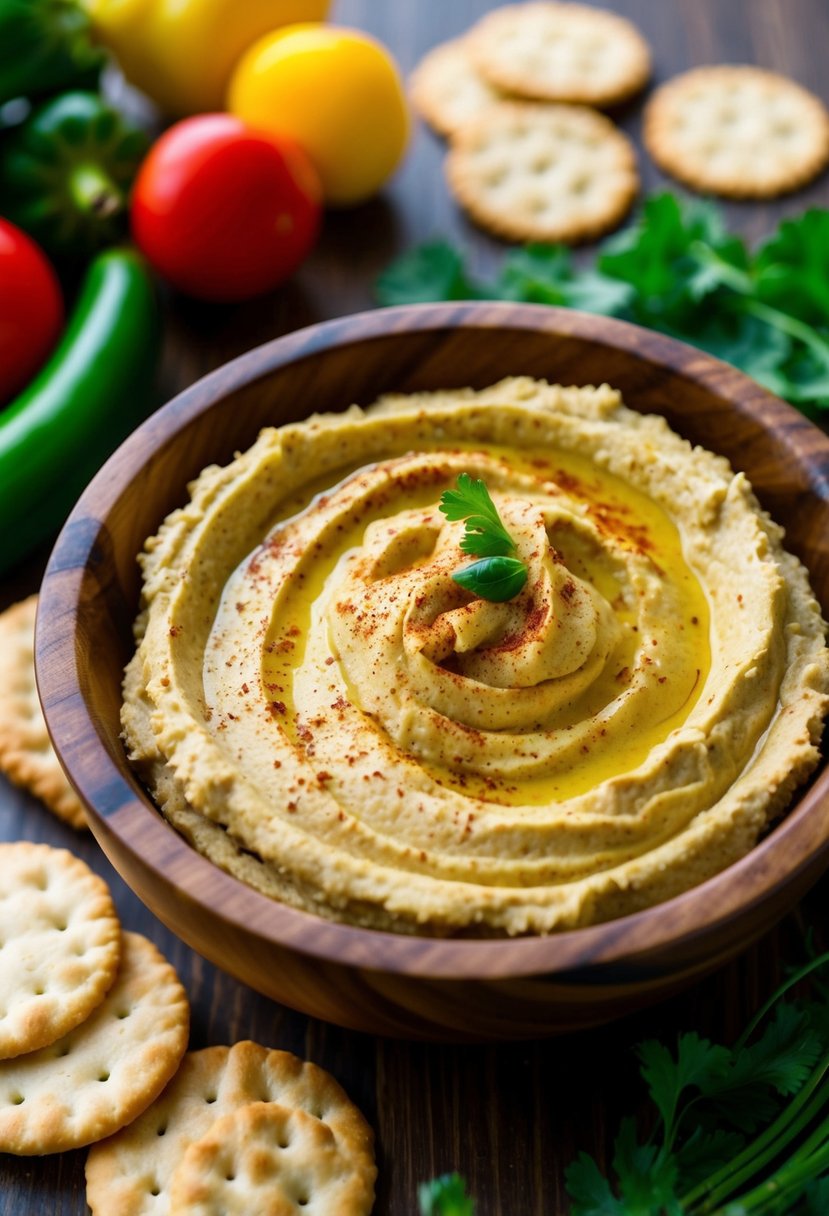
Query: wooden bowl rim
column 737, row 890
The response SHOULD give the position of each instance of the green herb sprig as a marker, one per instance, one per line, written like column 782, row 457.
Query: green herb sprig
column 498, row 575
column 736, row 1131
column 445, row 1196
column 677, row 270
column 739, row 1131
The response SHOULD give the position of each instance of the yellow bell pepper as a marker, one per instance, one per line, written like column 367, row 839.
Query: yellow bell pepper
column 181, row 52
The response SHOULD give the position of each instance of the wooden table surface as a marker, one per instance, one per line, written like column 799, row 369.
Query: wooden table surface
column 507, row 1117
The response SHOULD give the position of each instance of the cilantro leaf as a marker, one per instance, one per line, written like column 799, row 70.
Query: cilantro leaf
column 785, row 1054
column 659, row 258
column 445, row 1196
column 430, row 272
column 543, row 274
column 817, row 1197
column 589, row 1191
column 698, row 1063
column 496, row 579
column 647, row 1178
column 745, row 342
column 681, row 1173
column 703, row 1153
column 792, row 268
column 779, row 1061
column 679, row 271
column 805, row 381
column 646, row 1181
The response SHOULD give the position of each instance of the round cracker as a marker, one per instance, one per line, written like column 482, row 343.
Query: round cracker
column 271, row 1160
column 131, row 1173
column 60, row 942
column 26, row 755
column 447, row 89
column 561, row 52
column 543, row 172
column 103, row 1074
column 737, row 131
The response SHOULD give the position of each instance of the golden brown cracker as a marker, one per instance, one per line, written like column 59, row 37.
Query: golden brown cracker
column 26, row 755
column 60, row 943
column 271, row 1160
column 104, row 1073
column 447, row 89
column 737, row 131
column 543, row 172
column 561, row 52
column 131, row 1173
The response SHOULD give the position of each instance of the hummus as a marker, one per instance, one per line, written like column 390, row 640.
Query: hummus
column 322, row 710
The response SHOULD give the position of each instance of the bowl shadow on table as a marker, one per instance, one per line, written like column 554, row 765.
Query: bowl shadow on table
column 378, row 982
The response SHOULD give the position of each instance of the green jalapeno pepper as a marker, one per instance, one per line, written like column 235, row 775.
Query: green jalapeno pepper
column 66, row 171
column 95, row 388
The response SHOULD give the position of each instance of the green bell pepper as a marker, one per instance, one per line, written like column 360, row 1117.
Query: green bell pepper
column 97, row 385
column 46, row 45
column 66, row 172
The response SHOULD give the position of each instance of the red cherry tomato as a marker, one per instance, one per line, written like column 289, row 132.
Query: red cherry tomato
column 222, row 211
column 31, row 309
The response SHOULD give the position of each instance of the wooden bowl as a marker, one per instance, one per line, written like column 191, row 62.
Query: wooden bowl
column 380, row 982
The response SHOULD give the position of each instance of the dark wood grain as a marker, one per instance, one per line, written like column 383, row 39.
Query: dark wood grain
column 509, row 1118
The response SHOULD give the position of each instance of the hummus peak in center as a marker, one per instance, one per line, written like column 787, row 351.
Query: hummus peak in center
column 322, row 710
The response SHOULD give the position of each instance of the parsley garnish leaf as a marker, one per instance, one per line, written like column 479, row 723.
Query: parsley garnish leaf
column 486, row 535
column 496, row 579
column 498, row 575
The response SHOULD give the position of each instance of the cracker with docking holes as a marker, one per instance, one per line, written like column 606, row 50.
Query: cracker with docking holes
column 270, row 1160
column 737, row 131
column 447, row 89
column 104, row 1073
column 132, row 1173
column 543, row 172
column 60, row 942
column 26, row 755
column 561, row 52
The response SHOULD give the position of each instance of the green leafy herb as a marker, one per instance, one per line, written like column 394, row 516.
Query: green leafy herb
column 431, row 272
column 740, row 1131
column 736, row 1131
column 493, row 578
column 498, row 575
column 445, row 1196
column 677, row 270
column 485, row 534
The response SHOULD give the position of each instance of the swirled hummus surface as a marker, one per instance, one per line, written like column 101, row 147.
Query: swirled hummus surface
column 319, row 707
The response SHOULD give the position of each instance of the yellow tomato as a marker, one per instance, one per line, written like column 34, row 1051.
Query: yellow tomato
column 338, row 93
column 181, row 52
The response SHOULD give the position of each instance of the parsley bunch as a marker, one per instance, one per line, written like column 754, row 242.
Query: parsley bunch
column 677, row 270
column 736, row 1131
column 739, row 1131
